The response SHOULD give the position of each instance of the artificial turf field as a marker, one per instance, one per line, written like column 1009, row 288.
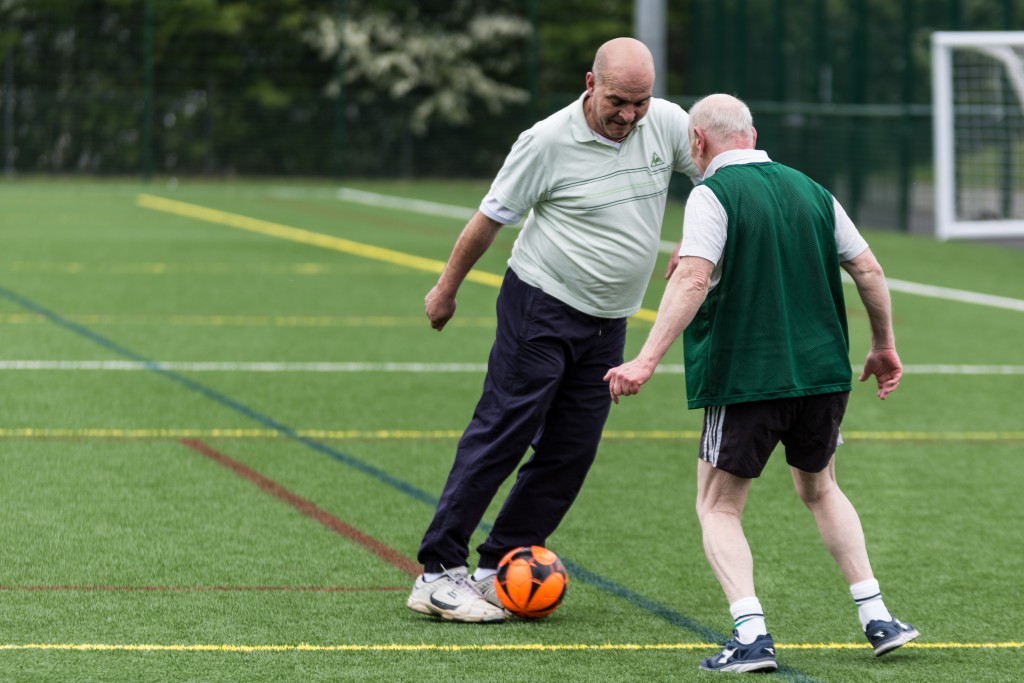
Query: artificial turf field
column 226, row 421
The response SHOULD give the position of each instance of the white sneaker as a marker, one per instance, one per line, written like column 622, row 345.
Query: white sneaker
column 453, row 597
column 486, row 588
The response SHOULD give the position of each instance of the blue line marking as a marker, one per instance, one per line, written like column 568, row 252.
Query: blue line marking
column 578, row 572
column 223, row 399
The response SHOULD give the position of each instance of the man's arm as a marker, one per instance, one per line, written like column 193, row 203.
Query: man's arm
column 883, row 362
column 684, row 294
column 673, row 261
column 473, row 241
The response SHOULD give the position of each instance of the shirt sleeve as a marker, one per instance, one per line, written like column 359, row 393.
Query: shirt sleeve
column 520, row 184
column 495, row 210
column 705, row 226
column 849, row 241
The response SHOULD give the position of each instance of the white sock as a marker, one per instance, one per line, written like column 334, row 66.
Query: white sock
column 480, row 574
column 748, row 619
column 870, row 606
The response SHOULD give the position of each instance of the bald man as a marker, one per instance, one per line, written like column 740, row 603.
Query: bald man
column 591, row 181
column 759, row 295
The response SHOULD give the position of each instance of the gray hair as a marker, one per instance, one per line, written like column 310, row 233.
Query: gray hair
column 722, row 118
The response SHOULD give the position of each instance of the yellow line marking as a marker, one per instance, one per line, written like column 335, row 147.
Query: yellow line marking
column 316, row 239
column 933, row 436
column 399, row 434
column 309, row 237
column 429, row 647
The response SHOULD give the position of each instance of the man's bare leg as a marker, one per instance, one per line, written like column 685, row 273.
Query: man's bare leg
column 838, row 522
column 720, row 500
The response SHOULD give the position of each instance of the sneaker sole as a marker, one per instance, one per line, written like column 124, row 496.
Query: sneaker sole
column 747, row 667
column 431, row 611
column 904, row 638
column 458, row 618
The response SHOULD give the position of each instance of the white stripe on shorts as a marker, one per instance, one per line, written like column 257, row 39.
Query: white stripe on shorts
column 711, row 443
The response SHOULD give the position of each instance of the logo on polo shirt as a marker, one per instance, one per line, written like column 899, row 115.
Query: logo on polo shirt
column 656, row 160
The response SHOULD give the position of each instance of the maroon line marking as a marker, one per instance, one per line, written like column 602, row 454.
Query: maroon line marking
column 308, row 508
column 182, row 589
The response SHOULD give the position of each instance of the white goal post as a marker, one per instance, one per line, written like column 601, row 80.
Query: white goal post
column 978, row 133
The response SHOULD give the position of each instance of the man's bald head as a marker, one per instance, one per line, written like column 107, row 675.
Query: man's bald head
column 625, row 62
column 619, row 89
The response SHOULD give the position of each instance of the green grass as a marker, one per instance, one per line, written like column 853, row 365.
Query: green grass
column 213, row 560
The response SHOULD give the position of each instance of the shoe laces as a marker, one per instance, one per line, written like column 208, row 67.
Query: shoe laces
column 461, row 581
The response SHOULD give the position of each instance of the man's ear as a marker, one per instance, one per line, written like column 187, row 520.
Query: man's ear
column 591, row 82
column 753, row 134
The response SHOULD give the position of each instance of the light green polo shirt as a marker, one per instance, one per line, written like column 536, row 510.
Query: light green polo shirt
column 595, row 212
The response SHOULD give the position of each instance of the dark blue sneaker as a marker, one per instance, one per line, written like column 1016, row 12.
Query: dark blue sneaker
column 735, row 656
column 889, row 635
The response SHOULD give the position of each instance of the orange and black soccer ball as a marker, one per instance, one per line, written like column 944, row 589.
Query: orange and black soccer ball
column 531, row 582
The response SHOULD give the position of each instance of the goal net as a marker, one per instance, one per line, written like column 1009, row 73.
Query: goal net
column 978, row 106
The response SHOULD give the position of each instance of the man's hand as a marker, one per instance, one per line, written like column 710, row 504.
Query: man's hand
column 473, row 241
column 440, row 307
column 885, row 365
column 626, row 379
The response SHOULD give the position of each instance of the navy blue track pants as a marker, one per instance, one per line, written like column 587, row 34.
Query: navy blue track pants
column 544, row 388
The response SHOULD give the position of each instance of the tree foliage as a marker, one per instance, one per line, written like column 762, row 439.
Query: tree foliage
column 437, row 71
column 368, row 87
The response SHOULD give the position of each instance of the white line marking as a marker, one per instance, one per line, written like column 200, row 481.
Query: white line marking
column 460, row 212
column 960, row 295
column 963, row 369
column 348, row 194
column 224, row 366
column 948, row 294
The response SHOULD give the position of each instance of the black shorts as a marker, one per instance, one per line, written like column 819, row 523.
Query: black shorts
column 739, row 438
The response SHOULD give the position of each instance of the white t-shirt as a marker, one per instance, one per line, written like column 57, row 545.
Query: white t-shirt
column 593, row 210
column 705, row 224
